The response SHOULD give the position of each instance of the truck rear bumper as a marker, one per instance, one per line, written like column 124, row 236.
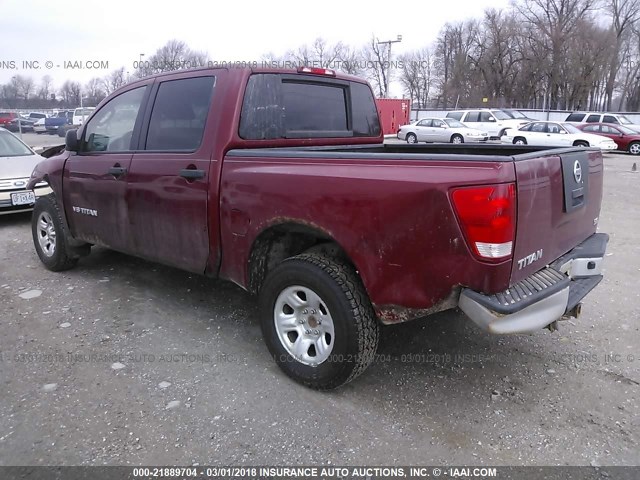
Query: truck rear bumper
column 542, row 298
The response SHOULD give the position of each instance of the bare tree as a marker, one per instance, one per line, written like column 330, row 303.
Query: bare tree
column 70, row 93
column 174, row 55
column 94, row 90
column 114, row 80
column 46, row 88
column 416, row 75
column 377, row 66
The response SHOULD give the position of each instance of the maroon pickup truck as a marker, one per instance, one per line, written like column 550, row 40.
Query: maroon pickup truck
column 279, row 181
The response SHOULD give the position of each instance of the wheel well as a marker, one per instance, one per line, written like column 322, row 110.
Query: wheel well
column 286, row 240
column 580, row 142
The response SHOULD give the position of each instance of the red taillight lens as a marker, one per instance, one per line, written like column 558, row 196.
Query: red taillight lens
column 487, row 216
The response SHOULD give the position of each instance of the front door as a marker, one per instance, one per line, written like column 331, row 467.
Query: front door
column 95, row 179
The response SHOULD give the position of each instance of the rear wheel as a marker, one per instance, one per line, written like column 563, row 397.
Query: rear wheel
column 634, row 148
column 580, row 143
column 519, row 141
column 411, row 138
column 457, row 138
column 317, row 321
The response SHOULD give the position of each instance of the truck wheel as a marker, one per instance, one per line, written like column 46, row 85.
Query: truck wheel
column 456, row 138
column 519, row 141
column 317, row 321
column 634, row 148
column 49, row 235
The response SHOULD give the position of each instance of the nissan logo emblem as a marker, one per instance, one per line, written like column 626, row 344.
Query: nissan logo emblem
column 577, row 171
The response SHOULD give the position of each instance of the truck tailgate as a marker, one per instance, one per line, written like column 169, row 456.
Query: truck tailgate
column 559, row 198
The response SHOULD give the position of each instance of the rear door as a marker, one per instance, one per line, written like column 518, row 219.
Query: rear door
column 558, row 206
column 95, row 178
column 168, row 184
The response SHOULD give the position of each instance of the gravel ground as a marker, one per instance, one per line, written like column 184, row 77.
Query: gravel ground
column 124, row 362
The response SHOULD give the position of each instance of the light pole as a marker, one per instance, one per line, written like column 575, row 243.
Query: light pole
column 386, row 78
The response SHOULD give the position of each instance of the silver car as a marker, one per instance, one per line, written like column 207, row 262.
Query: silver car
column 17, row 161
column 445, row 130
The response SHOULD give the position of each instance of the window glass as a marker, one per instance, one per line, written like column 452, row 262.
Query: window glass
column 424, row 123
column 538, row 127
column 554, row 128
column 593, row 119
column 11, row 146
column 486, row 117
column 500, row 115
column 473, row 117
column 438, row 123
column 455, row 115
column 575, row 117
column 592, row 128
column 179, row 114
column 610, row 119
column 277, row 106
column 111, row 129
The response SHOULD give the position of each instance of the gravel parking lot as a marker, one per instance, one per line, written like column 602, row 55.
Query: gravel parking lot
column 126, row 362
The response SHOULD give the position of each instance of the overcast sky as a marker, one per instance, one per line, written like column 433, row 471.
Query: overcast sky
column 118, row 31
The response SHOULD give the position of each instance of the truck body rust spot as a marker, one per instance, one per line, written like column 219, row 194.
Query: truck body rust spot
column 393, row 314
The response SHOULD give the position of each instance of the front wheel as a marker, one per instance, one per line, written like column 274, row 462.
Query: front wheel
column 457, row 139
column 49, row 235
column 634, row 148
column 317, row 321
column 411, row 138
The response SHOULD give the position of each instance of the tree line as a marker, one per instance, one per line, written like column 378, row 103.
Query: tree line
column 552, row 54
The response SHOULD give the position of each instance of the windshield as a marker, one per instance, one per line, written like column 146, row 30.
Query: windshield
column 454, row 123
column 515, row 113
column 500, row 115
column 571, row 129
column 627, row 131
column 624, row 120
column 11, row 146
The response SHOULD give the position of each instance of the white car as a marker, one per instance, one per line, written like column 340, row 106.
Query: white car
column 595, row 117
column 17, row 161
column 440, row 130
column 554, row 134
column 81, row 114
column 492, row 121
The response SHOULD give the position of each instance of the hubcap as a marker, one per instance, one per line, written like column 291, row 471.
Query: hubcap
column 304, row 325
column 411, row 139
column 635, row 149
column 457, row 140
column 519, row 142
column 46, row 234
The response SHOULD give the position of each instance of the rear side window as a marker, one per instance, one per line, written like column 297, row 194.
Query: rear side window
column 593, row 119
column 179, row 114
column 486, row 117
column 575, row 117
column 592, row 128
column 277, row 106
column 424, row 123
column 455, row 115
column 473, row 117
column 610, row 119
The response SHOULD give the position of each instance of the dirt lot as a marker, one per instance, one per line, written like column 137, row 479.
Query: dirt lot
column 125, row 362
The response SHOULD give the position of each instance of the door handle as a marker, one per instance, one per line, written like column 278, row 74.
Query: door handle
column 117, row 171
column 191, row 174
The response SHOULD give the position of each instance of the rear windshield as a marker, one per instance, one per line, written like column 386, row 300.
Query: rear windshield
column 292, row 106
column 575, row 117
column 6, row 115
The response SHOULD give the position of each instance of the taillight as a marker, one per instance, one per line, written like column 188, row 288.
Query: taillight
column 317, row 71
column 487, row 215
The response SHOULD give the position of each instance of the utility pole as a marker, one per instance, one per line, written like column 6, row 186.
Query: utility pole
column 386, row 77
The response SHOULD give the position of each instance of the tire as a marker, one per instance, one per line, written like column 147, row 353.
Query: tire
column 580, row 143
column 634, row 148
column 349, row 338
column 457, row 138
column 50, row 235
column 411, row 138
column 519, row 141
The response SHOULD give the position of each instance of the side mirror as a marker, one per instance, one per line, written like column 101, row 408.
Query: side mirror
column 71, row 143
column 491, row 119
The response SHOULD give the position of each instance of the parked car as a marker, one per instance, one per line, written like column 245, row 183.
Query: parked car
column 20, row 124
column 63, row 117
column 440, row 130
column 492, row 121
column 81, row 114
column 554, row 134
column 6, row 117
column 280, row 181
column 595, row 117
column 627, row 140
column 17, row 161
